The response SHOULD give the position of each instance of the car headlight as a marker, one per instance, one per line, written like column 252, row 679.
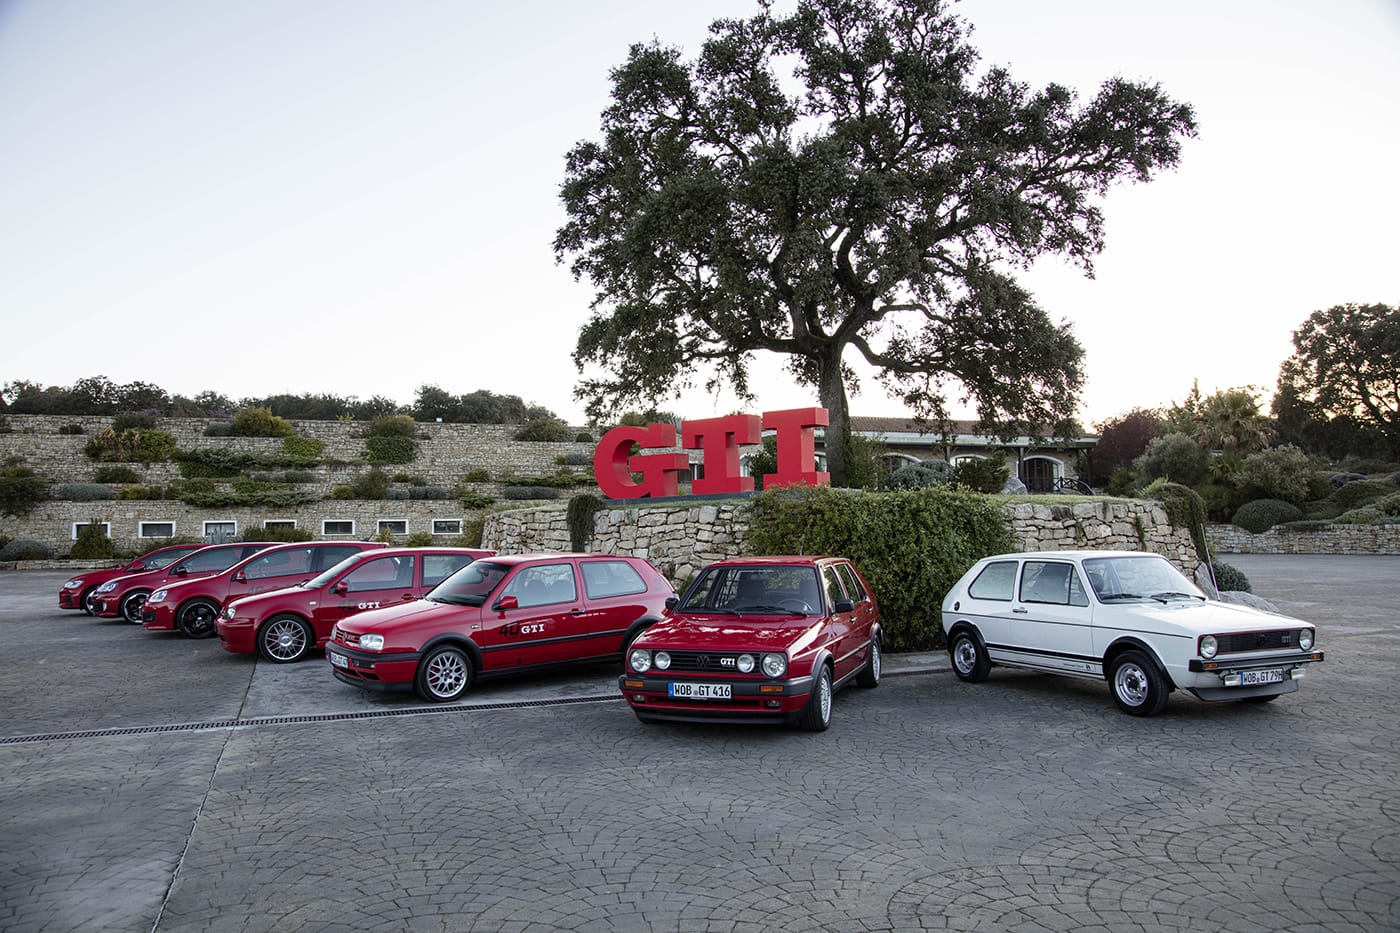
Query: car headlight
column 1305, row 639
column 157, row 596
column 639, row 660
column 1208, row 646
column 73, row 584
column 227, row 614
column 662, row 660
column 774, row 665
column 107, row 587
column 372, row 642
column 745, row 664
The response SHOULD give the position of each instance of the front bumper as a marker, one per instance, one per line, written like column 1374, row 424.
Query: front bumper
column 237, row 635
column 751, row 699
column 159, row 618
column 372, row 670
column 1229, row 677
column 69, row 599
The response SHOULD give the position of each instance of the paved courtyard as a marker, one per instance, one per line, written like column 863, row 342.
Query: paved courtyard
column 149, row 783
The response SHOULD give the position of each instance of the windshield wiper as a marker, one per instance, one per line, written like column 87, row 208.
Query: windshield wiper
column 1108, row 596
column 1171, row 594
column 772, row 610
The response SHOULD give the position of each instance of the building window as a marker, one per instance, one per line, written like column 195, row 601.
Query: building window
column 447, row 526
column 219, row 532
column 395, row 526
column 279, row 524
column 79, row 526
column 157, row 529
column 337, row 527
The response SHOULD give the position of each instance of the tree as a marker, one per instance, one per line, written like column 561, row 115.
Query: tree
column 1346, row 366
column 883, row 208
column 1173, row 457
column 1231, row 420
column 1122, row 439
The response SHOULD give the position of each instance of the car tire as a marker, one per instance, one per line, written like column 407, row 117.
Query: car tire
column 132, row 604
column 85, row 601
column 817, row 715
column 197, row 618
column 869, row 676
column 285, row 640
column 1138, row 687
column 970, row 661
column 444, row 674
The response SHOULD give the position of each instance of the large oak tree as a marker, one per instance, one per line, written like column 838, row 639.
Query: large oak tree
column 842, row 178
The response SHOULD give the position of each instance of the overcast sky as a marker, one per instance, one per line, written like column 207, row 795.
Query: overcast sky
column 269, row 196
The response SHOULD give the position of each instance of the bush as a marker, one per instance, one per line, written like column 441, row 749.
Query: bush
column 285, row 534
column 1365, row 515
column 1277, row 473
column 218, row 429
column 372, row 484
column 115, row 474
column 982, row 474
column 419, row 539
column 472, row 530
column 137, row 491
column 134, row 445
column 559, row 480
column 1390, row 505
column 472, row 501
column 303, row 451
column 574, row 458
column 1221, row 501
column 396, row 494
column 392, row 426
column 530, row 492
column 477, row 475
column 1173, row 457
column 580, row 515
column 1306, row 524
column 213, row 463
column 25, row 549
column 130, row 419
column 911, row 545
column 244, row 492
column 429, row 492
column 1338, row 480
column 261, row 422
column 83, row 492
column 1262, row 514
column 391, row 449
column 91, row 543
column 583, row 437
column 544, row 429
column 1229, row 579
column 920, row 475
column 411, row 479
column 21, row 489
column 1361, row 492
column 1184, row 508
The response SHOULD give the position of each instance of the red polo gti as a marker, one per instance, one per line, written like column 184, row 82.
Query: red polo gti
column 501, row 615
column 126, row 596
column 77, row 592
column 763, row 639
column 193, row 607
column 285, row 625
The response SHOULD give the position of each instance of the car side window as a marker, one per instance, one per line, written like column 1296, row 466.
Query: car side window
column 278, row 564
column 543, row 585
column 603, row 578
column 381, row 573
column 1051, row 582
column 853, row 586
column 327, row 557
column 438, row 567
column 996, row 581
column 833, row 587
column 219, row 560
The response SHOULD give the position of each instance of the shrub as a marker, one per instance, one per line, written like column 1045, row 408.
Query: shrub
column 574, row 458
column 245, row 492
column 1220, row 501
column 1338, row 480
column 419, row 539
column 261, row 422
column 137, row 491
column 580, row 515
column 284, row 534
column 1361, row 492
column 1184, row 508
column 429, row 492
column 213, row 463
column 477, row 475
column 372, row 484
column 303, row 451
column 25, row 549
column 544, row 429
column 1390, row 505
column 1306, row 524
column 21, row 489
column 981, row 474
column 1260, row 515
column 1229, row 579
column 74, row 428
column 559, row 480
column 530, row 492
column 1367, row 466
column 1174, row 457
column 472, row 530
column 583, row 437
column 134, row 445
column 396, row 494
column 919, row 475
column 91, row 543
column 218, row 429
column 115, row 474
column 392, row 426
column 911, row 545
column 411, row 479
column 83, row 492
column 1277, row 473
column 130, row 419
column 391, row 449
column 472, row 501
column 1365, row 515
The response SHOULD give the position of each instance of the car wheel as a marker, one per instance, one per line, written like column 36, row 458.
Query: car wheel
column 132, row 604
column 444, row 675
column 869, row 675
column 196, row 618
column 817, row 716
column 1138, row 688
column 85, row 600
column 970, row 661
column 285, row 639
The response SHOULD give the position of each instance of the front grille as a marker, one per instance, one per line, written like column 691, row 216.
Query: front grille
column 705, row 662
column 1258, row 641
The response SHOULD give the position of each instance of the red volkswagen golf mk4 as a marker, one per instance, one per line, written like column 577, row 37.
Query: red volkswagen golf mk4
column 192, row 608
column 762, row 639
column 126, row 596
column 284, row 625
column 501, row 615
column 77, row 592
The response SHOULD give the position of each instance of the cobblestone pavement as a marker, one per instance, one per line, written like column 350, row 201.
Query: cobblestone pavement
column 1023, row 803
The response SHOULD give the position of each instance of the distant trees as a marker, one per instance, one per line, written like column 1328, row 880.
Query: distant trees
column 479, row 407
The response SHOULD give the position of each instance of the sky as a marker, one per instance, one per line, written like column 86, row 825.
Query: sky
column 359, row 198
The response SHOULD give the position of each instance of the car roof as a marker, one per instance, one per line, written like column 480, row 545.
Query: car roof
column 513, row 559
column 1069, row 555
column 774, row 560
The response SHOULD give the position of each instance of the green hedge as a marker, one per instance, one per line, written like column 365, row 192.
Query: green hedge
column 910, row 545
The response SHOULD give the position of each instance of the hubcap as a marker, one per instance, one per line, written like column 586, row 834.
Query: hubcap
column 132, row 606
column 1131, row 683
column 198, row 620
column 447, row 675
column 824, row 697
column 285, row 641
column 965, row 656
column 875, row 659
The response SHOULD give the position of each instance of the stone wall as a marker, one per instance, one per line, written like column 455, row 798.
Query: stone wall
column 681, row 538
column 1335, row 539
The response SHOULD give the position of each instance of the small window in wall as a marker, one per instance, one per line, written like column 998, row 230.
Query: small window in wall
column 447, row 526
column 337, row 526
column 219, row 532
column 279, row 524
column 79, row 526
column 157, row 529
column 395, row 526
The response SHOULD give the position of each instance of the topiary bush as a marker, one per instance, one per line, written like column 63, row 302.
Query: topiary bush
column 911, row 545
column 1260, row 515
column 25, row 549
column 261, row 422
column 395, row 450
column 1361, row 492
column 1229, row 579
column 429, row 492
column 1365, row 515
column 116, row 473
column 83, row 492
column 574, row 458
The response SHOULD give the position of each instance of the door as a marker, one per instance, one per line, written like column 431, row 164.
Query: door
column 613, row 599
column 1052, row 624
column 532, row 619
column 371, row 584
column 841, row 637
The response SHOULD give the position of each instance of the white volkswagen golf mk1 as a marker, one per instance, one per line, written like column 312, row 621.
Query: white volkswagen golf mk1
column 1127, row 617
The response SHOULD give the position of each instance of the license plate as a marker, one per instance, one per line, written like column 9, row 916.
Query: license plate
column 1254, row 678
column 339, row 660
column 699, row 691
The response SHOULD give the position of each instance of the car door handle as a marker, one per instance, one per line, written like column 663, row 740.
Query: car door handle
column 575, row 612
column 1021, row 609
column 406, row 597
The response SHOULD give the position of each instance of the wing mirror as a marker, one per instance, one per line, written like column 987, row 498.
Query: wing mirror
column 845, row 605
column 240, row 577
column 672, row 602
column 341, row 588
column 507, row 602
column 180, row 571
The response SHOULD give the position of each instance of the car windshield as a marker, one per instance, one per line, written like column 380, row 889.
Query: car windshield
column 326, row 576
column 470, row 586
column 1138, row 578
column 763, row 589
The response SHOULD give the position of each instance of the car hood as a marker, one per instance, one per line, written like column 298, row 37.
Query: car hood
column 1196, row 616
column 704, row 632
column 253, row 600
column 418, row 611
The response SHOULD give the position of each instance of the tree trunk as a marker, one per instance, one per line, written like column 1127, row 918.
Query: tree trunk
column 832, row 392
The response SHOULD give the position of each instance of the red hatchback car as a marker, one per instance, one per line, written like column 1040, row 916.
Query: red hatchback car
column 77, row 592
column 193, row 607
column 285, row 625
column 763, row 639
column 501, row 615
column 126, row 596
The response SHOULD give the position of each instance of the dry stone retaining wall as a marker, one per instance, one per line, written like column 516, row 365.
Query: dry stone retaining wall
column 1334, row 539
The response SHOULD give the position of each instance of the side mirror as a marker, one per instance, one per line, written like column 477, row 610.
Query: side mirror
column 507, row 602
column 240, row 577
column 845, row 605
column 672, row 602
column 341, row 588
column 180, row 571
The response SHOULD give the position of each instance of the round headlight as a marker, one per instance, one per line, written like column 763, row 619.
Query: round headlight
column 774, row 665
column 640, row 660
column 157, row 596
column 662, row 660
column 1209, row 646
column 107, row 587
column 372, row 642
column 1305, row 639
column 745, row 664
